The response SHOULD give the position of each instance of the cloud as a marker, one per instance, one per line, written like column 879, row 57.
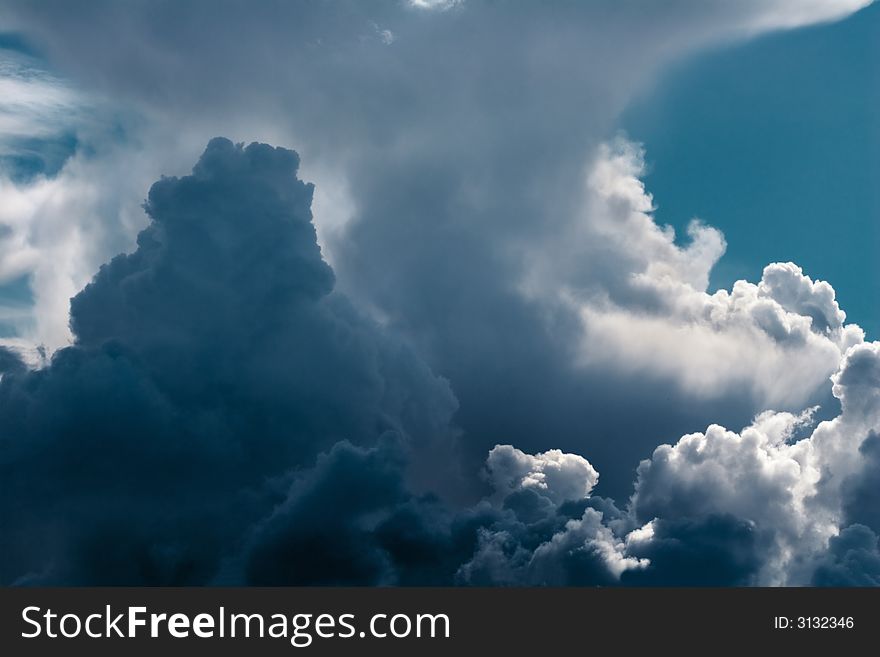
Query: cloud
column 208, row 362
column 791, row 494
column 57, row 235
column 860, row 491
column 352, row 520
column 438, row 5
column 38, row 108
column 853, row 559
column 57, row 221
column 37, row 121
column 644, row 305
column 713, row 550
column 325, row 532
column 586, row 552
column 554, row 475
column 770, row 505
column 529, row 540
column 754, row 477
column 795, row 13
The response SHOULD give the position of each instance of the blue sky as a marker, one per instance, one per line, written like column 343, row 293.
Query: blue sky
column 777, row 143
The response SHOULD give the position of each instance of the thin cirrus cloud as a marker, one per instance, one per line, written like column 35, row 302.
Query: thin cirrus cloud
column 499, row 277
column 37, row 116
column 54, row 227
column 35, row 102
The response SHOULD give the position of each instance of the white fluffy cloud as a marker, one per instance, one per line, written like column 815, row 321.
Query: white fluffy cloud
column 754, row 475
column 587, row 535
column 644, row 303
column 534, row 543
column 788, row 488
column 781, row 478
column 780, row 481
column 552, row 474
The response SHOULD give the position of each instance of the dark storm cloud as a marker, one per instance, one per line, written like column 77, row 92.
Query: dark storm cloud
column 853, row 559
column 718, row 550
column 321, row 534
column 209, row 361
column 352, row 520
column 10, row 362
column 225, row 417
column 862, row 492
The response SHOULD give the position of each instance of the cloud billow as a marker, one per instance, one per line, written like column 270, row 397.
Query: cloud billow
column 212, row 360
column 225, row 416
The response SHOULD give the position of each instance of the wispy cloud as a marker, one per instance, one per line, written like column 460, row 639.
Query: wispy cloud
column 35, row 104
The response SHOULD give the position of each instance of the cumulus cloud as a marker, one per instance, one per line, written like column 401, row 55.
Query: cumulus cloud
column 644, row 304
column 352, row 520
column 766, row 505
column 533, row 539
column 853, row 559
column 860, row 491
column 791, row 495
column 712, row 550
column 328, row 529
column 546, row 529
column 224, row 416
column 209, row 361
column 570, row 556
column 754, row 476
column 553, row 474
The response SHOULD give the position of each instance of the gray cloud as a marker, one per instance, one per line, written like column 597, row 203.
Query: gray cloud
column 792, row 494
column 853, row 559
column 209, row 361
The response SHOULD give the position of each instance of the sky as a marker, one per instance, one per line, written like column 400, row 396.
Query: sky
column 439, row 292
column 775, row 142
